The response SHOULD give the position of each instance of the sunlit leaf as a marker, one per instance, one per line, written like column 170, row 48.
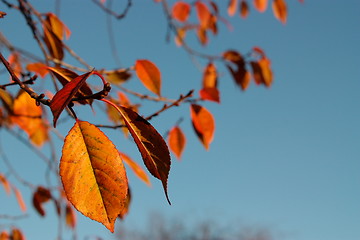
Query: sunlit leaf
column 260, row 5
column 38, row 68
column 70, row 216
column 210, row 93
column 203, row 123
column 16, row 234
column 262, row 72
column 57, row 26
column 93, row 175
column 209, row 89
column 280, row 10
column 20, row 199
column 177, row 141
column 149, row 75
column 150, row 143
column 244, row 9
column 118, row 77
column 181, row 11
column 232, row 7
column 53, row 44
column 5, row 183
column 41, row 196
column 4, row 235
column 136, row 168
column 63, row 97
column 28, row 117
column 65, row 76
column 203, row 14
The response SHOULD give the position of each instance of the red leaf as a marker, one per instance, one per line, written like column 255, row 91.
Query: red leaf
column 237, row 68
column 38, row 68
column 203, row 123
column 181, row 11
column 203, row 14
column 63, row 97
column 42, row 195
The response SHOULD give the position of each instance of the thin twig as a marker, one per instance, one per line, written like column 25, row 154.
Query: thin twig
column 111, row 12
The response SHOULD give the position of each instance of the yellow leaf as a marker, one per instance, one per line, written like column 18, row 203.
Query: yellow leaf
column 260, row 5
column 203, row 123
column 42, row 195
column 280, row 10
column 93, row 175
column 139, row 172
column 177, row 141
column 57, row 26
column 203, row 14
column 149, row 75
column 4, row 235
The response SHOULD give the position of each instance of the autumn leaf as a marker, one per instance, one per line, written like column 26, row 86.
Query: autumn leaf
column 57, row 26
column 280, row 10
column 125, row 210
column 260, row 5
column 53, row 44
column 118, row 77
column 70, row 216
column 28, row 117
column 139, row 172
column 203, row 14
column 177, row 141
column 38, row 68
column 149, row 75
column 63, row 97
column 150, row 143
column 41, row 196
column 262, row 72
column 232, row 7
column 65, row 76
column 20, row 199
column 16, row 234
column 5, row 183
column 92, row 174
column 15, row 63
column 209, row 89
column 203, row 123
column 181, row 11
column 237, row 68
column 244, row 9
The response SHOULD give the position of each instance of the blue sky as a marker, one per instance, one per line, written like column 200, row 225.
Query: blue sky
column 285, row 158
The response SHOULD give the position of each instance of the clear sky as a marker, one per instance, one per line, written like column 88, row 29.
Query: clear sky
column 285, row 158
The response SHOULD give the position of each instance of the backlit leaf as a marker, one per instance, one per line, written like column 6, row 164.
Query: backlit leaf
column 63, row 97
column 16, row 234
column 262, row 72
column 203, row 123
column 38, row 68
column 70, row 216
column 237, row 68
column 209, row 89
column 244, row 9
column 7, row 100
column 203, row 14
column 93, row 175
column 53, row 44
column 57, row 26
column 179, row 38
column 181, row 11
column 232, row 7
column 65, row 76
column 4, row 235
column 5, row 183
column 137, row 169
column 41, row 196
column 149, row 75
column 125, row 210
column 280, row 10
column 20, row 199
column 28, row 117
column 118, row 77
column 150, row 143
column 210, row 93
column 260, row 5
column 177, row 141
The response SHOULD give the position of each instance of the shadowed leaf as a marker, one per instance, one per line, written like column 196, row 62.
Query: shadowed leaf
column 203, row 123
column 41, row 196
column 5, row 183
column 118, row 77
column 260, row 5
column 93, row 175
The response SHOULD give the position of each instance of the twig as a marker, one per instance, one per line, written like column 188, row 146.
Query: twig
column 147, row 97
column 111, row 12
column 4, row 216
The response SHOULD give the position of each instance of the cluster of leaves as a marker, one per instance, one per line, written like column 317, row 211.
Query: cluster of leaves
column 93, row 176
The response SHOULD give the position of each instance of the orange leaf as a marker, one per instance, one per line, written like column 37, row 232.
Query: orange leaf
column 203, row 123
column 210, row 93
column 28, row 117
column 63, row 97
column 237, row 68
column 177, row 141
column 244, row 9
column 65, row 76
column 150, row 143
column 93, row 175
column 139, row 172
column 262, row 72
column 203, row 14
column 260, row 5
column 53, row 44
column 16, row 234
column 15, row 63
column 181, row 11
column 149, row 75
column 127, row 205
column 118, row 77
column 232, row 7
column 57, row 26
column 38, row 68
column 5, row 183
column 4, row 235
column 42, row 195
column 280, row 10
column 20, row 199
column 70, row 216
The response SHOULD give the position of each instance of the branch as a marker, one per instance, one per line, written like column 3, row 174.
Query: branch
column 111, row 12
